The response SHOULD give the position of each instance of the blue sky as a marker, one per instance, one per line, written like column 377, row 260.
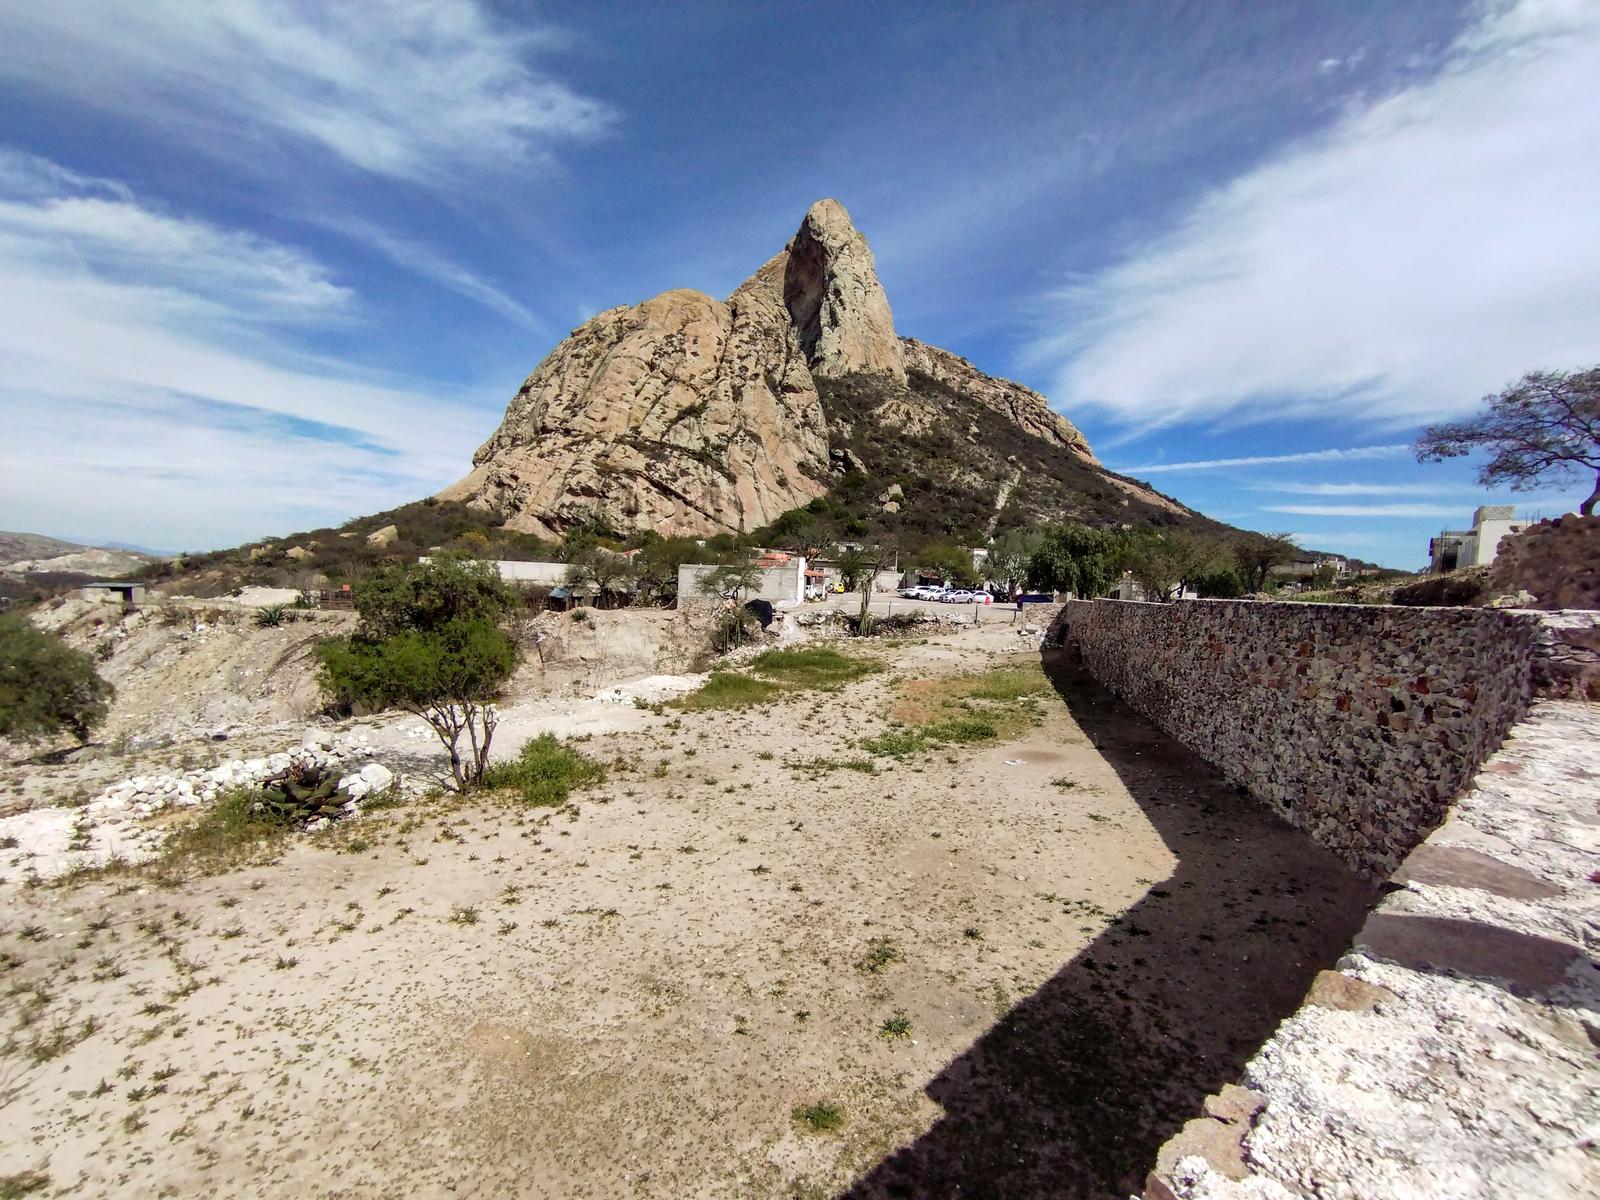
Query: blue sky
column 267, row 264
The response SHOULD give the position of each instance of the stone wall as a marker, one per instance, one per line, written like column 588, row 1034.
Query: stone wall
column 1359, row 724
column 1450, row 1054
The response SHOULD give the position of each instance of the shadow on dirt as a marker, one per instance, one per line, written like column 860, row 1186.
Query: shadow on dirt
column 1072, row 1093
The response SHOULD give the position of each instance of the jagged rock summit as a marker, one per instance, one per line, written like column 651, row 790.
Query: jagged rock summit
column 690, row 415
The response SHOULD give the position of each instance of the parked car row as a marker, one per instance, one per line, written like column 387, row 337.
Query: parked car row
column 947, row 595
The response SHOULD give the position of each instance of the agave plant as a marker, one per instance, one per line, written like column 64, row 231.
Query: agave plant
column 303, row 792
column 271, row 616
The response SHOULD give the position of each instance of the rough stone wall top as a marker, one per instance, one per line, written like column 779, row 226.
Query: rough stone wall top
column 1450, row 1056
column 837, row 305
column 682, row 414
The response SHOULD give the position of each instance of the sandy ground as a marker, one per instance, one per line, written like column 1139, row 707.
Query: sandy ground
column 630, row 999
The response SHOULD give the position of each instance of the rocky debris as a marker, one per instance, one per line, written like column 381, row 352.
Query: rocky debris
column 683, row 414
column 298, row 553
column 53, row 841
column 1551, row 565
column 1030, row 411
column 386, row 536
column 837, row 305
column 145, row 795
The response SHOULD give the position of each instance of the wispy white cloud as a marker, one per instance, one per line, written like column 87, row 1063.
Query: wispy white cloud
column 56, row 224
column 1364, row 489
column 148, row 387
column 410, row 89
column 1346, row 454
column 1429, row 247
column 427, row 262
column 1367, row 510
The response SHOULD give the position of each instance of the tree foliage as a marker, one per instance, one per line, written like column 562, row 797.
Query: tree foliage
column 1255, row 554
column 609, row 573
column 1010, row 555
column 402, row 596
column 429, row 642
column 1076, row 559
column 1544, row 427
column 45, row 685
column 731, row 580
column 1167, row 563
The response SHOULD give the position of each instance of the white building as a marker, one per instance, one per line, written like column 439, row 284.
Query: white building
column 1475, row 547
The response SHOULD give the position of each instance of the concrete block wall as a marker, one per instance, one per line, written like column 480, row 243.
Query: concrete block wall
column 782, row 583
column 1359, row 724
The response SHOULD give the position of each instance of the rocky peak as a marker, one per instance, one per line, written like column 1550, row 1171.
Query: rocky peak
column 836, row 304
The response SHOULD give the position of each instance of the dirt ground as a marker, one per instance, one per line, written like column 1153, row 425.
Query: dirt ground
column 1087, row 932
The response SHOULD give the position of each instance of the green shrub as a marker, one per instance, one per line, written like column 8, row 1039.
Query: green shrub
column 545, row 773
column 821, row 1117
column 239, row 828
column 45, row 685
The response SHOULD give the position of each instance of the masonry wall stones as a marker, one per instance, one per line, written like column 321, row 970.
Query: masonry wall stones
column 1359, row 724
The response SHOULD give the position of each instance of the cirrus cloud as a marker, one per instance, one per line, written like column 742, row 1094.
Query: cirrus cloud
column 408, row 89
column 1430, row 246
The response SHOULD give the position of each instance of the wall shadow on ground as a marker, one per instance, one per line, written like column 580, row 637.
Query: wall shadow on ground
column 1072, row 1093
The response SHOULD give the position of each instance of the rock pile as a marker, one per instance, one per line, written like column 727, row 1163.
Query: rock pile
column 145, row 795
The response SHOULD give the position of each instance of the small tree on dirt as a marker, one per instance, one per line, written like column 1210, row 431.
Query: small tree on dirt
column 868, row 561
column 1255, row 554
column 1542, row 428
column 45, row 685
column 430, row 643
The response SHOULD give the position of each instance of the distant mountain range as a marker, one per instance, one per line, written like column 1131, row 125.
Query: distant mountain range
column 36, row 554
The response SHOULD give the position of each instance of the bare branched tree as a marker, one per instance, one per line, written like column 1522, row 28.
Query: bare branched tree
column 1544, row 427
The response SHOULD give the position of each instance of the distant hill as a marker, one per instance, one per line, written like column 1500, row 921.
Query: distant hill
column 28, row 554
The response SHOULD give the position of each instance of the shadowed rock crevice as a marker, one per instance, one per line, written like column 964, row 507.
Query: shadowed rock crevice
column 1073, row 1092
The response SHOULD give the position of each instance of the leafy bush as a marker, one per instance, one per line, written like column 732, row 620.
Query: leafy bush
column 545, row 773
column 45, row 685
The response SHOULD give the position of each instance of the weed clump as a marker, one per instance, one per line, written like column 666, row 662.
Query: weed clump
column 820, row 1117
column 882, row 953
column 545, row 773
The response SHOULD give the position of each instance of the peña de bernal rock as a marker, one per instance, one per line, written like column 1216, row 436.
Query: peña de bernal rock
column 691, row 415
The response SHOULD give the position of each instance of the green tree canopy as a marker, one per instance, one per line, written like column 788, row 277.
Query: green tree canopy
column 398, row 596
column 45, row 685
column 1076, row 559
column 1255, row 554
